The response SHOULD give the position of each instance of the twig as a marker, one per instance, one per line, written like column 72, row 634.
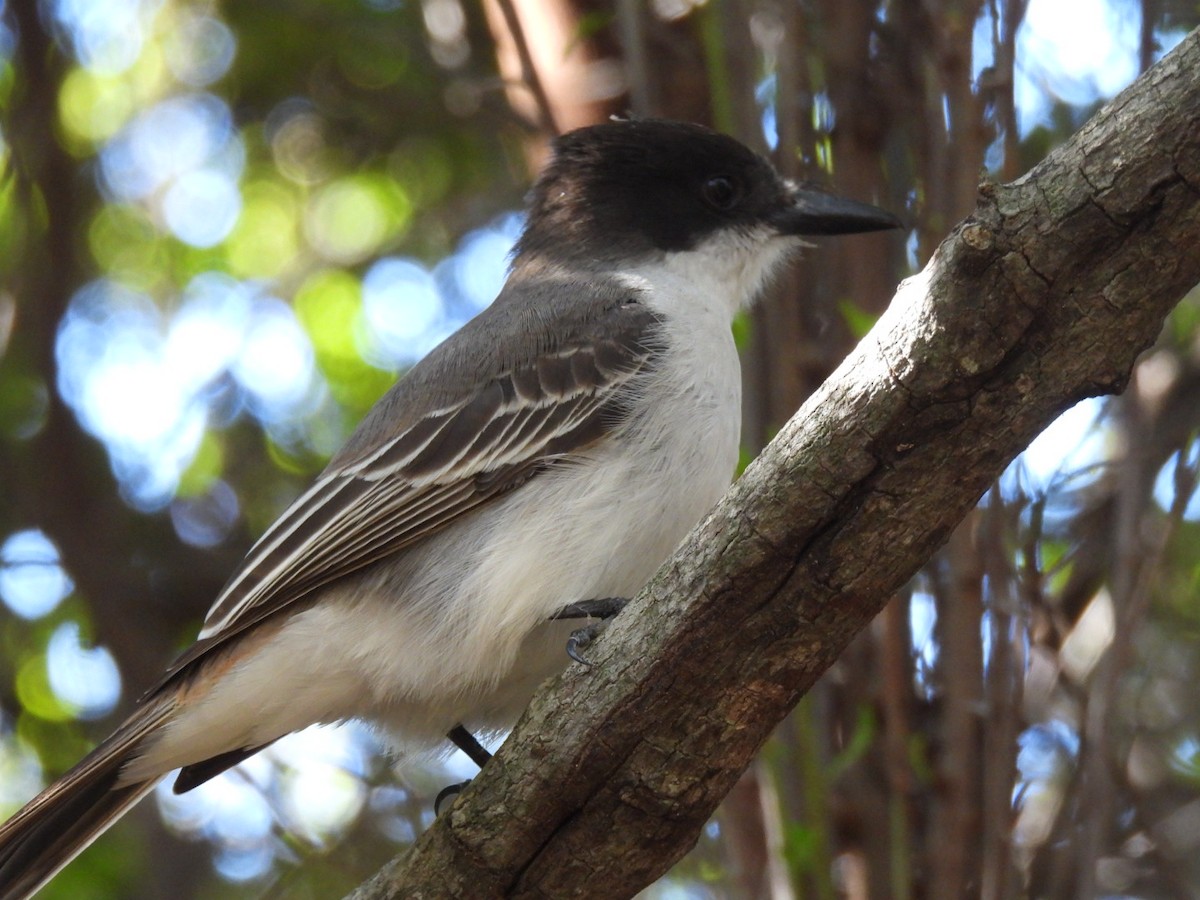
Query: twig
column 528, row 70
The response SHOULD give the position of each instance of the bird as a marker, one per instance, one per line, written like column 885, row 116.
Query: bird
column 535, row 468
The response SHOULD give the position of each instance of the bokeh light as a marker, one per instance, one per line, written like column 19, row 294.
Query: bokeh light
column 351, row 217
column 1075, row 53
column 175, row 136
column 105, row 35
column 206, row 519
column 481, row 261
column 202, row 206
column 94, row 107
column 264, row 242
column 84, row 677
column 322, row 778
column 328, row 304
column 32, row 579
column 1166, row 484
column 114, row 374
column 7, row 41
column 1075, row 442
column 400, row 304
column 206, row 333
column 20, row 770
column 199, row 49
column 127, row 245
column 229, row 810
column 142, row 383
column 312, row 779
column 275, row 363
column 296, row 136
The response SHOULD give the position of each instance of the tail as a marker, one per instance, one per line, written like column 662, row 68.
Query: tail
column 60, row 822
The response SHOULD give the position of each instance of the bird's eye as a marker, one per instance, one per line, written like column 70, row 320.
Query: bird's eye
column 721, row 192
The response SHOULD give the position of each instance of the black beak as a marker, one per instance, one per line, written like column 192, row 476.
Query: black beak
column 813, row 212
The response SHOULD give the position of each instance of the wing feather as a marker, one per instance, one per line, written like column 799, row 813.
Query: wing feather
column 438, row 467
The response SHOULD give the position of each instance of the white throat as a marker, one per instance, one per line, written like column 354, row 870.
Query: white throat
column 725, row 273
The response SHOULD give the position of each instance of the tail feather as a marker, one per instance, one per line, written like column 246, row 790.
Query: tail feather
column 60, row 823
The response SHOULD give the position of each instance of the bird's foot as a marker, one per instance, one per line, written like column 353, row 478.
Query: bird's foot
column 582, row 637
column 448, row 793
column 468, row 744
column 603, row 608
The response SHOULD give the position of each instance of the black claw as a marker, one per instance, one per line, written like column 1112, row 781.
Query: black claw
column 581, row 638
column 466, row 742
column 448, row 793
column 602, row 608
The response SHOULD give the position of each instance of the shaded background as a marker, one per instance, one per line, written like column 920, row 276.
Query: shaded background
column 226, row 228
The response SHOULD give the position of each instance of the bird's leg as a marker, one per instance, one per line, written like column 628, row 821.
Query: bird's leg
column 466, row 742
column 602, row 609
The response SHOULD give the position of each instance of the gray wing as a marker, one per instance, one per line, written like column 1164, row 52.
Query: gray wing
column 446, row 440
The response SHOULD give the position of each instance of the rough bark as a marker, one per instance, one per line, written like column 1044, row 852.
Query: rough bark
column 1045, row 295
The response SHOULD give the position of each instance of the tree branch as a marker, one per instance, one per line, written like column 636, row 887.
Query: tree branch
column 1044, row 296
